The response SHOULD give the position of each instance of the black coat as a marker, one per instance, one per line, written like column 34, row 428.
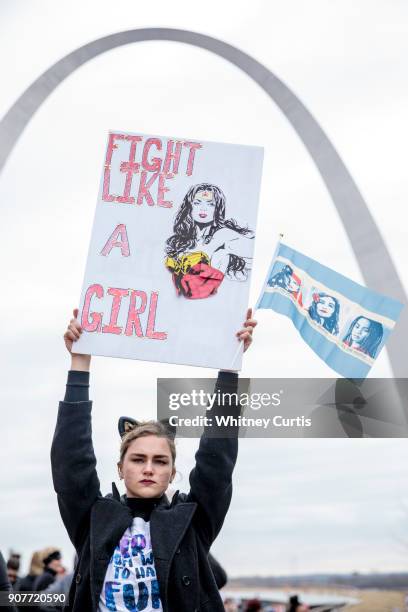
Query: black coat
column 181, row 532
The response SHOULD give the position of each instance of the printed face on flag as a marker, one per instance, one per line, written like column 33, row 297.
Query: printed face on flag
column 364, row 335
column 325, row 307
column 169, row 263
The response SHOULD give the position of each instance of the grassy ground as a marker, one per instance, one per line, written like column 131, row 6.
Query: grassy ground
column 377, row 601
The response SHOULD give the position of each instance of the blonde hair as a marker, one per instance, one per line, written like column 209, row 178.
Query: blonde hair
column 147, row 428
column 36, row 563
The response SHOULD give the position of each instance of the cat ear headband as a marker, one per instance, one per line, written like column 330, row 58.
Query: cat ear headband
column 127, row 424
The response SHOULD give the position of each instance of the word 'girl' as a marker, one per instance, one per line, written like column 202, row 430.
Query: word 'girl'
column 146, row 164
column 138, row 301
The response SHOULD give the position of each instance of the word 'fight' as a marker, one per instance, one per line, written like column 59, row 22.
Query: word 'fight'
column 153, row 166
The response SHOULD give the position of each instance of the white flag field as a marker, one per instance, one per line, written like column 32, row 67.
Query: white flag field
column 169, row 263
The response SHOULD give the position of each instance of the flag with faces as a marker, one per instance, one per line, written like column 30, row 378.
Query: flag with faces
column 344, row 323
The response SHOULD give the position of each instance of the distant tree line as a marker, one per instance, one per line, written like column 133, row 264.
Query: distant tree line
column 354, row 580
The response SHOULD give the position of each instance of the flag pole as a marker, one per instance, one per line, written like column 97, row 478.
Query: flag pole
column 275, row 255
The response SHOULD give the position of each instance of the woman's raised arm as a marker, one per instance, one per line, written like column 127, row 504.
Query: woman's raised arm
column 79, row 363
column 211, row 478
column 72, row 456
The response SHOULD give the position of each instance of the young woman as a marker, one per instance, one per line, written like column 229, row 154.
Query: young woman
column 364, row 335
column 325, row 310
column 140, row 552
column 205, row 246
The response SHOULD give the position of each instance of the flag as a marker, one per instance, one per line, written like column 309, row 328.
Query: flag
column 345, row 323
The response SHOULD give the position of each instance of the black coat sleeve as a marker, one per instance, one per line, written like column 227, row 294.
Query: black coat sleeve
column 74, row 468
column 219, row 572
column 211, row 478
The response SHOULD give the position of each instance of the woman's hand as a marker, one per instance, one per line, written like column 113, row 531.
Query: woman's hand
column 245, row 334
column 72, row 334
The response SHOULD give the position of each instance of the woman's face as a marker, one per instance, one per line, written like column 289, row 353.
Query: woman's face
column 360, row 330
column 325, row 306
column 147, row 467
column 55, row 565
column 203, row 207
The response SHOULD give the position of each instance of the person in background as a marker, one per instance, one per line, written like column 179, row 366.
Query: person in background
column 60, row 586
column 26, row 583
column 230, row 605
column 294, row 605
column 253, row 605
column 13, row 566
column 16, row 556
column 5, row 583
column 52, row 567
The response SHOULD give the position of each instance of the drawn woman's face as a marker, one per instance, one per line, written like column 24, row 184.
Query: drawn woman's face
column 360, row 331
column 203, row 207
column 325, row 307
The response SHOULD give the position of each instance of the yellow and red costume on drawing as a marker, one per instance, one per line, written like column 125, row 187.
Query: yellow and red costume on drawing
column 193, row 275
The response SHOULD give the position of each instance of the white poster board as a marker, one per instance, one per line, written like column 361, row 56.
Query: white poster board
column 169, row 263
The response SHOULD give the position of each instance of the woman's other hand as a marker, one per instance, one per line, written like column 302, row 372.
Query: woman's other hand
column 245, row 334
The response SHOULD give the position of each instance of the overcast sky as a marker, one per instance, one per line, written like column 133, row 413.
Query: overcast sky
column 308, row 505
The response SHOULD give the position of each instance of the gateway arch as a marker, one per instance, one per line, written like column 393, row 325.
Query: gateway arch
column 372, row 255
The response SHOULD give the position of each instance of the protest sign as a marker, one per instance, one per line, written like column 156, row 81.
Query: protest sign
column 169, row 263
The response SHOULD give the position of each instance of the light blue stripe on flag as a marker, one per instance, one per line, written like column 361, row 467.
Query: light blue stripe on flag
column 343, row 322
